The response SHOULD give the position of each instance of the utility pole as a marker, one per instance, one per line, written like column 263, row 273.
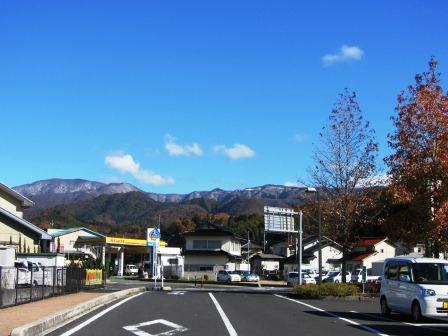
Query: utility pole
column 264, row 241
column 300, row 247
column 320, row 235
column 248, row 249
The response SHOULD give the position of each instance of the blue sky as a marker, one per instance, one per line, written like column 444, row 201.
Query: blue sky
column 191, row 95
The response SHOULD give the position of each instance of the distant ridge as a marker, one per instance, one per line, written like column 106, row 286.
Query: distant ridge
column 53, row 192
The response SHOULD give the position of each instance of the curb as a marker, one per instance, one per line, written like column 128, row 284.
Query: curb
column 51, row 322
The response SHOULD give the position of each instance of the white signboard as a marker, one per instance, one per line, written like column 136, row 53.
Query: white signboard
column 279, row 219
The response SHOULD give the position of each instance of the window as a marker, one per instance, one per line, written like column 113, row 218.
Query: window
column 207, row 244
column 430, row 273
column 206, row 268
column 173, row 261
column 199, row 244
column 213, row 244
column 393, row 272
column 403, row 271
column 381, row 250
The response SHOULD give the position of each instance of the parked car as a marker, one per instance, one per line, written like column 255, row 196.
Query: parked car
column 248, row 276
column 38, row 275
column 293, row 279
column 227, row 276
column 416, row 286
column 336, row 277
column 23, row 273
column 131, row 270
column 358, row 274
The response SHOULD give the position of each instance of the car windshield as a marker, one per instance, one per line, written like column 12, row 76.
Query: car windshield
column 331, row 274
column 293, row 275
column 430, row 273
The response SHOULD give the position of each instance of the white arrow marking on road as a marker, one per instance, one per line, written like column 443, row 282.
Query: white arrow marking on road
column 135, row 328
column 176, row 293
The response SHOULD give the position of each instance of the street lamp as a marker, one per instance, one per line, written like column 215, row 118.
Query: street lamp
column 315, row 190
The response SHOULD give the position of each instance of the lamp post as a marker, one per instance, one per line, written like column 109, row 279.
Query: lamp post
column 315, row 190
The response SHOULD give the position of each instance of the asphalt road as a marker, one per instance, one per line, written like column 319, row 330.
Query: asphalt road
column 219, row 313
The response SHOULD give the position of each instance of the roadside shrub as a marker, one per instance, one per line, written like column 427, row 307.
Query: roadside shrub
column 205, row 277
column 326, row 289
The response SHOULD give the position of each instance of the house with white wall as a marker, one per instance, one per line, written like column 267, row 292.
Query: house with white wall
column 368, row 250
column 210, row 248
column 331, row 253
column 65, row 241
column 14, row 229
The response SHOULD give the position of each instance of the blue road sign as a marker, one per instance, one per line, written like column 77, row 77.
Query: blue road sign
column 155, row 233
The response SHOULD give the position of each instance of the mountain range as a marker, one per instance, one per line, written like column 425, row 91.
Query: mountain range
column 54, row 192
column 123, row 209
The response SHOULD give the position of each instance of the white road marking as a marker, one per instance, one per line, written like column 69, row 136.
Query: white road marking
column 176, row 293
column 94, row 317
column 407, row 323
column 230, row 329
column 176, row 328
column 373, row 331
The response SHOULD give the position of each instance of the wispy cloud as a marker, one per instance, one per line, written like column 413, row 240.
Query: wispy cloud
column 345, row 54
column 175, row 149
column 125, row 163
column 236, row 152
column 299, row 137
column 293, row 184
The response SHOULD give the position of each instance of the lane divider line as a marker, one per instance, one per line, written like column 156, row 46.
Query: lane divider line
column 94, row 317
column 423, row 325
column 230, row 329
column 362, row 326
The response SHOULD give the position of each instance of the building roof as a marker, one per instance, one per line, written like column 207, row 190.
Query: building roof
column 252, row 246
column 30, row 226
column 26, row 202
column 210, row 230
column 368, row 242
column 62, row 232
column 355, row 256
column 267, row 256
column 211, row 253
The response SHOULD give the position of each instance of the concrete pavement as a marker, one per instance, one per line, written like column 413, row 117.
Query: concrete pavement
column 13, row 317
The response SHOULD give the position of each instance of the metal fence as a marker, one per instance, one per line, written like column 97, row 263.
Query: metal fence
column 20, row 285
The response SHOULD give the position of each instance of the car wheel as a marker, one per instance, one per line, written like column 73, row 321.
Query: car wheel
column 385, row 310
column 336, row 281
column 416, row 312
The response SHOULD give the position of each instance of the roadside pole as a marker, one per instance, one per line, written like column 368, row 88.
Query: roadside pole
column 300, row 247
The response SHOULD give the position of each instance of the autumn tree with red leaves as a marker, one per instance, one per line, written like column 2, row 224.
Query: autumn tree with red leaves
column 418, row 166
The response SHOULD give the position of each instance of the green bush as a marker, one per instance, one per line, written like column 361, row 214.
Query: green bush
column 325, row 289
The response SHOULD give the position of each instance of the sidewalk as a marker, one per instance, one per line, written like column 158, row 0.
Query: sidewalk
column 19, row 315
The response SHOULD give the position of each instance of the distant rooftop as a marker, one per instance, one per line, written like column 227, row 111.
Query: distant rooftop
column 26, row 202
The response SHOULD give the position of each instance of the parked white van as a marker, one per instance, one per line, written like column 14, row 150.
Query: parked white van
column 416, row 286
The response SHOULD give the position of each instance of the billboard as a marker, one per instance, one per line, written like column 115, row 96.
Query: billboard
column 279, row 219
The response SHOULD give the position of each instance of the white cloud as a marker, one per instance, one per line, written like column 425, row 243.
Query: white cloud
column 125, row 164
column 175, row 149
column 299, row 137
column 293, row 184
column 345, row 54
column 236, row 152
